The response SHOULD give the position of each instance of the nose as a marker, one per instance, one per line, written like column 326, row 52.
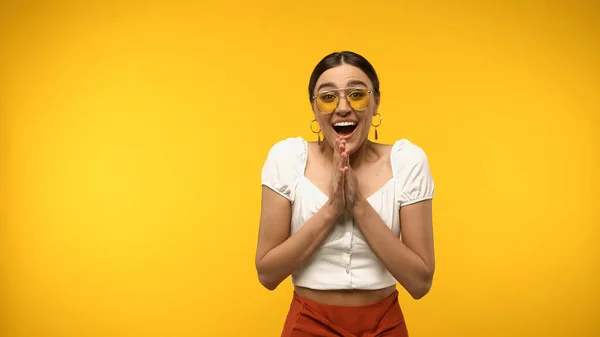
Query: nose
column 343, row 107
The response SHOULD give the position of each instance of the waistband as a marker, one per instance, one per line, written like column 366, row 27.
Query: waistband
column 381, row 303
column 370, row 320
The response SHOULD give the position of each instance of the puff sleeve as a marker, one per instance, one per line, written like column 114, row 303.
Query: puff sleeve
column 283, row 166
column 414, row 181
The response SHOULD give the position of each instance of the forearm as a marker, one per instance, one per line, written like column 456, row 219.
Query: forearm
column 407, row 267
column 282, row 260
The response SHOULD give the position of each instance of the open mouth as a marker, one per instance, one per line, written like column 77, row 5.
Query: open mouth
column 344, row 128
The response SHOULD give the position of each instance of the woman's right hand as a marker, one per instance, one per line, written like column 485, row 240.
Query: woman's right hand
column 340, row 159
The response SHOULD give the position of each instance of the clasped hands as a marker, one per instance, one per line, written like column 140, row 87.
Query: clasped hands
column 345, row 193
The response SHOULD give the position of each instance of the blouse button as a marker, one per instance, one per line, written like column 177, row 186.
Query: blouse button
column 347, row 271
column 347, row 233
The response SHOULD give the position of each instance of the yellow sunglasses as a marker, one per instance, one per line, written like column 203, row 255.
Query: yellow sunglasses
column 328, row 101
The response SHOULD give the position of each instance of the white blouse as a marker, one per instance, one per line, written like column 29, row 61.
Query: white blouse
column 345, row 260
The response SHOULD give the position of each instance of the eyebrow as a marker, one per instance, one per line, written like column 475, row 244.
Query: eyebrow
column 356, row 82
column 326, row 85
column 350, row 84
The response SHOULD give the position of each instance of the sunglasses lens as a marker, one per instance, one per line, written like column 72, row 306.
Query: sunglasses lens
column 359, row 99
column 327, row 102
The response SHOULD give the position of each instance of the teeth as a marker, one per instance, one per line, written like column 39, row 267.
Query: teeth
column 344, row 124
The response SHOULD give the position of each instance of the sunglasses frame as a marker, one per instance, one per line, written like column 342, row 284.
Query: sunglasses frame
column 335, row 91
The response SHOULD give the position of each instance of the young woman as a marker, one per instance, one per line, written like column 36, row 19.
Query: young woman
column 347, row 218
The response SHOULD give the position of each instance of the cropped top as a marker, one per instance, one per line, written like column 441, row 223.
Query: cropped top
column 344, row 260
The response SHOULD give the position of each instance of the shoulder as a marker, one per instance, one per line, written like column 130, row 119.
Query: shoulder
column 287, row 155
column 284, row 165
column 406, row 154
column 287, row 147
column 288, row 151
column 411, row 171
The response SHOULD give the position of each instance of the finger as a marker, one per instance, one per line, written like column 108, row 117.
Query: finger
column 342, row 162
column 340, row 180
column 345, row 175
column 345, row 169
column 337, row 145
column 346, row 159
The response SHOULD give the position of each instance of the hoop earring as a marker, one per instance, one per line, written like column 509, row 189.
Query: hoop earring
column 317, row 132
column 378, row 124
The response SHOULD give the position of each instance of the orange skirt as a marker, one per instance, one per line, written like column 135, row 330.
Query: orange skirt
column 309, row 318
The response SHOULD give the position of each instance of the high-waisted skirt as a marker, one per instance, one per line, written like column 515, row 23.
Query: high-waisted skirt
column 309, row 318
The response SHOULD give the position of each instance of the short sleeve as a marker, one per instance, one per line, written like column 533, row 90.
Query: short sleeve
column 283, row 167
column 412, row 174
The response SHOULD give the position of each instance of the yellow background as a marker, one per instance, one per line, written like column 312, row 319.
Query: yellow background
column 132, row 135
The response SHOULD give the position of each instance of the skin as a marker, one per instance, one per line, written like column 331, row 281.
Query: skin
column 347, row 170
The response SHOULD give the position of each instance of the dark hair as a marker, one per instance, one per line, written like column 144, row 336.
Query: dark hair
column 339, row 58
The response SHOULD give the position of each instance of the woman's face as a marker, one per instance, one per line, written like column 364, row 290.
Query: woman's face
column 336, row 116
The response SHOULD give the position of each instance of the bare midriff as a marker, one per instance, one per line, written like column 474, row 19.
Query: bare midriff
column 350, row 297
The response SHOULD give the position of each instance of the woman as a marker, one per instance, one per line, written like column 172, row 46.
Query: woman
column 347, row 218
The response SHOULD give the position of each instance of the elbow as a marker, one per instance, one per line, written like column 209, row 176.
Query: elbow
column 270, row 285
column 420, row 291
column 422, row 287
column 266, row 280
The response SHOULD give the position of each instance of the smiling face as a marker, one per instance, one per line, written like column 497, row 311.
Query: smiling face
column 344, row 104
